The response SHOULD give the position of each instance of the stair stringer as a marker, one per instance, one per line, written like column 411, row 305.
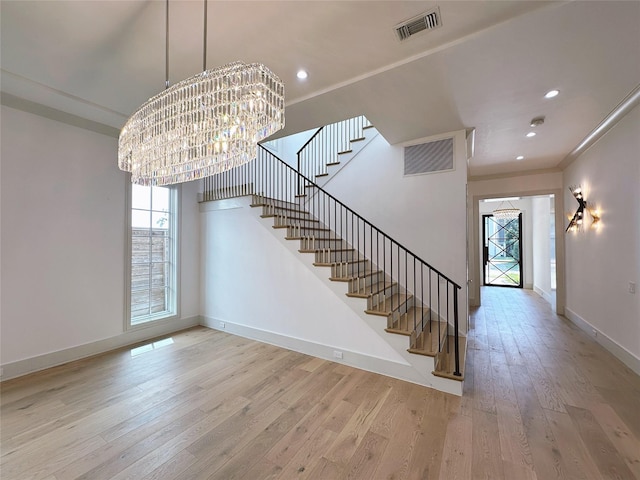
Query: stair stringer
column 415, row 368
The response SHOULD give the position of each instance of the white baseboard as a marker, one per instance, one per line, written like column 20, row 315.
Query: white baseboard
column 546, row 295
column 48, row 360
column 618, row 351
column 401, row 371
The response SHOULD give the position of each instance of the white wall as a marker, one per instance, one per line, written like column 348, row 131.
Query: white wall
column 286, row 148
column 63, row 243
column 600, row 262
column 249, row 279
column 425, row 213
column 190, row 251
column 542, row 247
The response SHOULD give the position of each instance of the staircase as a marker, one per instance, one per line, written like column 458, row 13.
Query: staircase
column 428, row 333
column 415, row 300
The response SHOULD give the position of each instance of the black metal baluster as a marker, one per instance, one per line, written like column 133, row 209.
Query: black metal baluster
column 447, row 334
column 456, row 348
column 422, row 295
column 439, row 315
column 415, row 294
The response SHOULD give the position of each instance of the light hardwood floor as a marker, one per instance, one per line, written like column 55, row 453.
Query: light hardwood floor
column 542, row 401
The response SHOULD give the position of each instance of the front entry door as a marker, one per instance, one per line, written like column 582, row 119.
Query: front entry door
column 502, row 252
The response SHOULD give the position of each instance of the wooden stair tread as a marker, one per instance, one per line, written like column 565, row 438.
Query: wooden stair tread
column 363, row 274
column 336, row 264
column 360, row 139
column 321, row 239
column 330, row 239
column 321, row 175
column 445, row 364
column 350, row 262
column 369, row 290
column 335, row 249
column 259, row 201
column 318, row 250
column 344, row 152
column 428, row 342
column 308, row 218
column 397, row 332
column 315, row 229
column 405, row 321
column 303, row 219
column 331, row 164
column 286, row 226
column 392, row 303
column 288, row 209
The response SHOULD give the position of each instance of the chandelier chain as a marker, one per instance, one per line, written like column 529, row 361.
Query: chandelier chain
column 166, row 46
column 204, row 48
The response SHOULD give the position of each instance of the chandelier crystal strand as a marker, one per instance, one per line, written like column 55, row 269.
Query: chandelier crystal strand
column 506, row 213
column 201, row 126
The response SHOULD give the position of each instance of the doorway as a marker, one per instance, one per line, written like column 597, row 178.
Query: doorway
column 502, row 251
column 541, row 238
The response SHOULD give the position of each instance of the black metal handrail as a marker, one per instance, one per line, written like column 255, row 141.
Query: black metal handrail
column 372, row 263
column 307, row 144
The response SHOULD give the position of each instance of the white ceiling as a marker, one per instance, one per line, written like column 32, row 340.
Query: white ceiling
column 487, row 67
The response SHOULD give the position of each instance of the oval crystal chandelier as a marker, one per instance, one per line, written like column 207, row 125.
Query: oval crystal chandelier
column 201, row 126
column 506, row 213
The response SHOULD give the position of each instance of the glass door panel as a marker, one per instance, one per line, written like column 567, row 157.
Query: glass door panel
column 502, row 251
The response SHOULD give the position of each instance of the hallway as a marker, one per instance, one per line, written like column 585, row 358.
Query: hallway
column 558, row 403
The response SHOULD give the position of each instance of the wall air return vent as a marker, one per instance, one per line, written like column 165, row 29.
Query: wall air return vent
column 425, row 21
column 429, row 157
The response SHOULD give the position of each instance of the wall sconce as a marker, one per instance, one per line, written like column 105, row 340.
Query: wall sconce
column 595, row 215
column 578, row 218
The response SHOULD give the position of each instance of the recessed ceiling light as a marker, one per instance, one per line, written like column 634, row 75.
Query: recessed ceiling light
column 551, row 93
column 531, row 134
column 302, row 74
column 520, row 157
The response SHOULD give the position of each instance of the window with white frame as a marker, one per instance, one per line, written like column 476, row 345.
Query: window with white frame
column 153, row 254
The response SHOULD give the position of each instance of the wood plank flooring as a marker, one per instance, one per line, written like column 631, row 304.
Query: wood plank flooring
column 542, row 401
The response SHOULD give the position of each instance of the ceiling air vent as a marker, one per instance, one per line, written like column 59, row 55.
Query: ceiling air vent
column 425, row 21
